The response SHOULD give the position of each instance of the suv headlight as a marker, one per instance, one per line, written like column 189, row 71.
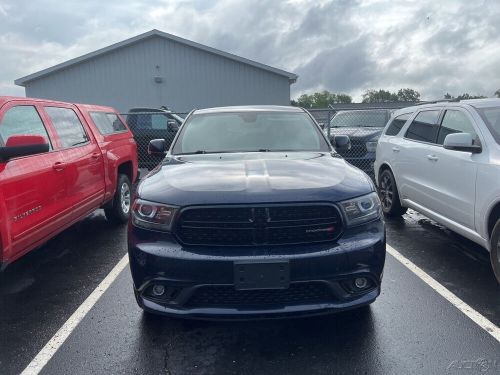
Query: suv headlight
column 151, row 215
column 371, row 145
column 362, row 209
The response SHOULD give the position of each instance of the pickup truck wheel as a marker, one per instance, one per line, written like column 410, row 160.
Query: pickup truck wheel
column 119, row 212
column 495, row 250
column 389, row 196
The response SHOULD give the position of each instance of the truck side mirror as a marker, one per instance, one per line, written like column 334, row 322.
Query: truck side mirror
column 340, row 142
column 23, row 145
column 157, row 147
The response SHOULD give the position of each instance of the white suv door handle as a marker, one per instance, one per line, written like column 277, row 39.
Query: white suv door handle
column 432, row 157
column 396, row 149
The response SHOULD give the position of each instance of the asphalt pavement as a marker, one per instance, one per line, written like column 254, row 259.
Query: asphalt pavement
column 409, row 329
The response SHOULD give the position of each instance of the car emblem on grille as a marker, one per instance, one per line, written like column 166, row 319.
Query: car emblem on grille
column 260, row 218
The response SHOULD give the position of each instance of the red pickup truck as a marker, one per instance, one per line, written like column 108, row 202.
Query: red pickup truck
column 58, row 163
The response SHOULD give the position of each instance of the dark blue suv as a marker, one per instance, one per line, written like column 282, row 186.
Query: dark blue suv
column 252, row 214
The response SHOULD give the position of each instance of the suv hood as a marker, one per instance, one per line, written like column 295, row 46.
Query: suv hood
column 240, row 178
column 357, row 133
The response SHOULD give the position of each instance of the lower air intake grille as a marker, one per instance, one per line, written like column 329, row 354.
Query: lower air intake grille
column 227, row 296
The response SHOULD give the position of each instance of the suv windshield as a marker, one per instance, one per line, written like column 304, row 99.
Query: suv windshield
column 249, row 132
column 491, row 116
column 359, row 119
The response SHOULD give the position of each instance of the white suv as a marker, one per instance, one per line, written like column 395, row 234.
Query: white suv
column 443, row 160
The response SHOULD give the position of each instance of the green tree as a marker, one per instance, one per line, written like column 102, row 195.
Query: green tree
column 497, row 93
column 464, row 96
column 379, row 96
column 344, row 98
column 305, row 101
column 468, row 96
column 320, row 99
column 408, row 95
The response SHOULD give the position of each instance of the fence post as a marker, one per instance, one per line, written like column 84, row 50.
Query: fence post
column 329, row 119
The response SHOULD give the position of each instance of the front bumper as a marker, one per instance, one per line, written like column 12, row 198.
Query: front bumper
column 199, row 281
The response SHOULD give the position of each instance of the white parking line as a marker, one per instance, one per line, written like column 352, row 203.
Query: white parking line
column 48, row 351
column 476, row 317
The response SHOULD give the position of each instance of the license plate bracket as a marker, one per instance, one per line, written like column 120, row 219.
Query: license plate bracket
column 261, row 275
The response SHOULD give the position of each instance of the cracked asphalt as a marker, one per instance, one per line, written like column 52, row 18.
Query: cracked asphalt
column 409, row 329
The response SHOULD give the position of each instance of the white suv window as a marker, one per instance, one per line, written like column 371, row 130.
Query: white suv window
column 424, row 127
column 397, row 124
column 456, row 122
column 491, row 117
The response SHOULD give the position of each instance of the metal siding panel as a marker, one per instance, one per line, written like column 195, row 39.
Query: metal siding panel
column 192, row 78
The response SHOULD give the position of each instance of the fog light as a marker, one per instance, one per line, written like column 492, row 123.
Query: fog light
column 360, row 282
column 158, row 290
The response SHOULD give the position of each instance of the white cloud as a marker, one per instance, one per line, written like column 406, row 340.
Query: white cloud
column 341, row 45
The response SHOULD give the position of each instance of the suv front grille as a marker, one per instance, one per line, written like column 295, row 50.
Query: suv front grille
column 259, row 225
column 227, row 296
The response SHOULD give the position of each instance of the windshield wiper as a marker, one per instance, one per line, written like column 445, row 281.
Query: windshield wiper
column 194, row 152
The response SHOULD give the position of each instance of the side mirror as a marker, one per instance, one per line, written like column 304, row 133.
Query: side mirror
column 172, row 126
column 23, row 145
column 461, row 142
column 340, row 142
column 157, row 147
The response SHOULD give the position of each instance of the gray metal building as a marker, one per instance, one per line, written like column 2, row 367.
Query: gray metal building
column 155, row 69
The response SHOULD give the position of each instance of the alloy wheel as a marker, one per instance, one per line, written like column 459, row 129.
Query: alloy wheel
column 386, row 192
column 125, row 198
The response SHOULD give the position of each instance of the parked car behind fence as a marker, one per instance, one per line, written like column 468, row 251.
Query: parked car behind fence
column 362, row 122
column 363, row 128
column 151, row 123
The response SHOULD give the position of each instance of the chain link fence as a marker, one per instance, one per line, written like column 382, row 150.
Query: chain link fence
column 363, row 124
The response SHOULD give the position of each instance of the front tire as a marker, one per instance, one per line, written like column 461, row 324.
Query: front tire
column 389, row 195
column 119, row 211
column 495, row 250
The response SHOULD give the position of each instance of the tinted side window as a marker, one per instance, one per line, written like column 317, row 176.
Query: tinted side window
column 22, row 120
column 107, row 123
column 68, row 126
column 456, row 122
column 147, row 121
column 424, row 127
column 159, row 121
column 397, row 124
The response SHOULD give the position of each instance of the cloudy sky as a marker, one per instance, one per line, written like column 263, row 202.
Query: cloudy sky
column 341, row 45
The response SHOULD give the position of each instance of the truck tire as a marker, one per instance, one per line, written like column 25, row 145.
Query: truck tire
column 389, row 195
column 119, row 211
column 495, row 250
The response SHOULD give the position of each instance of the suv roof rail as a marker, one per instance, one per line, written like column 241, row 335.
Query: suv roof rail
column 440, row 101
